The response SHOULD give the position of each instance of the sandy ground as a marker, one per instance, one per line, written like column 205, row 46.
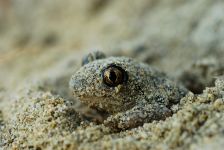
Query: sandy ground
column 41, row 45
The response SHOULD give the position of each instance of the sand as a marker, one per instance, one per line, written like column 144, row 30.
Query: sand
column 41, row 46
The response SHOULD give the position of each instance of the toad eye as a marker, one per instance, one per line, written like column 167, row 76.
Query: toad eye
column 114, row 75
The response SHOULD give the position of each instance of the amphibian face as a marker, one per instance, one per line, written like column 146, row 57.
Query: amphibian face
column 132, row 92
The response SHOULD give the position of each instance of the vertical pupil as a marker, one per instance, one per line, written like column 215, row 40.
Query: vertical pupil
column 112, row 76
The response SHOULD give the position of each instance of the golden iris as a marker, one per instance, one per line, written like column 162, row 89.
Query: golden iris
column 114, row 75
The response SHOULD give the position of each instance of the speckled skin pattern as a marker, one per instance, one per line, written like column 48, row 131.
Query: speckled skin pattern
column 146, row 96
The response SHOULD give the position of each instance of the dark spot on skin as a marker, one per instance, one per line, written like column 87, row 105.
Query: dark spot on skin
column 114, row 75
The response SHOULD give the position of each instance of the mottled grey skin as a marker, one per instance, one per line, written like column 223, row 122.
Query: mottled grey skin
column 147, row 95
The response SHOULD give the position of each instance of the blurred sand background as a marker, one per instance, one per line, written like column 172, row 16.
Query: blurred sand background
column 42, row 43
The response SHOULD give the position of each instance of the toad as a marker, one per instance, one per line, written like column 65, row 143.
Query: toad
column 131, row 92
